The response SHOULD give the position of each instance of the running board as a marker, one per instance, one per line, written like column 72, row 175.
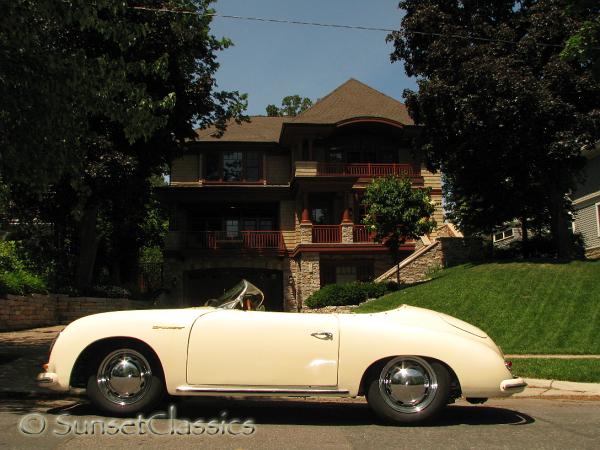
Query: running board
column 194, row 390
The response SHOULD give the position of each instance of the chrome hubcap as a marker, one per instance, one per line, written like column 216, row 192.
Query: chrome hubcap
column 408, row 384
column 124, row 376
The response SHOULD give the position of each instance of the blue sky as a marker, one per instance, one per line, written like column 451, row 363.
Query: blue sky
column 270, row 61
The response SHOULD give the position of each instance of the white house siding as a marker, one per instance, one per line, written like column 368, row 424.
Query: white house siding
column 585, row 204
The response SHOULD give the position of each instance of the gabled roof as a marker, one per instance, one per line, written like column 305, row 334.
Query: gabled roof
column 351, row 100
column 259, row 129
column 354, row 99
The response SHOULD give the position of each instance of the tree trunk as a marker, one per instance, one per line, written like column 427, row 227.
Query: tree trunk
column 88, row 246
column 560, row 227
column 524, row 238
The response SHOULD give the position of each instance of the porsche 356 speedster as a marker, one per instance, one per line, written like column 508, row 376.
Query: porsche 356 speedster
column 409, row 362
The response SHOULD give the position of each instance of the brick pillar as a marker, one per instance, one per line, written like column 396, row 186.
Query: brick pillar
column 306, row 233
column 347, row 233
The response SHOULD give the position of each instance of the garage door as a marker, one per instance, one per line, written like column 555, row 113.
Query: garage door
column 205, row 284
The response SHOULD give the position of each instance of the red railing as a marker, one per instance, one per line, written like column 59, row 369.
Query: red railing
column 363, row 170
column 256, row 240
column 326, row 234
column 361, row 233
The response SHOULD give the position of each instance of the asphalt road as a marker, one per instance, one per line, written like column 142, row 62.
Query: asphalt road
column 512, row 423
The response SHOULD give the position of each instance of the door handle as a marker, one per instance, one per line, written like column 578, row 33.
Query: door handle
column 323, row 335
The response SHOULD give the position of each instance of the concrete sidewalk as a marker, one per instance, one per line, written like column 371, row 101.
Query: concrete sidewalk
column 22, row 354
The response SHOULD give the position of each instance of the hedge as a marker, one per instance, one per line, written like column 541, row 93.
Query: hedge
column 348, row 294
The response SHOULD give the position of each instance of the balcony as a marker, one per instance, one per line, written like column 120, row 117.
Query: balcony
column 226, row 240
column 335, row 234
column 356, row 170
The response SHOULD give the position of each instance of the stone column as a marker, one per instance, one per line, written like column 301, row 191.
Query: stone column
column 310, row 275
column 347, row 224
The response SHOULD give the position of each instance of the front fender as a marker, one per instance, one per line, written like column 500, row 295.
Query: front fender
column 165, row 331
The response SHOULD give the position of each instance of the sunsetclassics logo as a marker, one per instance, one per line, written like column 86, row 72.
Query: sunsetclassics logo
column 160, row 424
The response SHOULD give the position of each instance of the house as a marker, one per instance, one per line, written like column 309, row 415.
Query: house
column 586, row 205
column 277, row 200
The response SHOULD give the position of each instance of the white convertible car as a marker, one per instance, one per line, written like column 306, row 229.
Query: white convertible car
column 409, row 362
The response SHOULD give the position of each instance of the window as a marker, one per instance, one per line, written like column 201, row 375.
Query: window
column 232, row 228
column 503, row 235
column 253, row 166
column 320, row 216
column 345, row 274
column 213, row 169
column 234, row 166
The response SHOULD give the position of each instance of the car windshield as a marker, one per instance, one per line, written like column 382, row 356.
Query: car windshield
column 244, row 295
column 231, row 293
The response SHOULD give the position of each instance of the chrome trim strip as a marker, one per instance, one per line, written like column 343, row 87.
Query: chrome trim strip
column 258, row 391
column 45, row 380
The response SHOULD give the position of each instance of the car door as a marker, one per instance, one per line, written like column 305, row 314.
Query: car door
column 253, row 348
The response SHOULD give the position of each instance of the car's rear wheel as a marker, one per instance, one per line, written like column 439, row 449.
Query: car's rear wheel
column 126, row 381
column 408, row 389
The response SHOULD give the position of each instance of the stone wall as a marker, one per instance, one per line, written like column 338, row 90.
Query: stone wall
column 592, row 253
column 23, row 312
column 445, row 252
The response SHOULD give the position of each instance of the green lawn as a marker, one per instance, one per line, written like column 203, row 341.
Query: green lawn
column 525, row 307
column 582, row 370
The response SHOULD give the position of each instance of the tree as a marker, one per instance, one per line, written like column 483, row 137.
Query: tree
column 505, row 118
column 584, row 45
column 396, row 212
column 292, row 105
column 139, row 82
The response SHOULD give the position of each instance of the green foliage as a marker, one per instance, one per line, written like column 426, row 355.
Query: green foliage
column 397, row 212
column 113, row 94
column 348, row 294
column 505, row 117
column 526, row 307
column 14, row 276
column 584, row 45
column 292, row 105
column 580, row 370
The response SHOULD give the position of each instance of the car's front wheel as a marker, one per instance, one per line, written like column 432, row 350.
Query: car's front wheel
column 408, row 389
column 126, row 381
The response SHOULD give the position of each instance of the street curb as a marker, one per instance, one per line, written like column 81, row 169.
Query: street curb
column 579, row 388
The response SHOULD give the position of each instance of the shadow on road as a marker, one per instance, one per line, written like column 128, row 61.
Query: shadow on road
column 316, row 413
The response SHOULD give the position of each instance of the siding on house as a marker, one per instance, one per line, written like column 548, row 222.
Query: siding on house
column 586, row 204
column 586, row 222
column 186, row 169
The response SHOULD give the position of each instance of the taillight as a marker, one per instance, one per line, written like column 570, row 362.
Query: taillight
column 508, row 365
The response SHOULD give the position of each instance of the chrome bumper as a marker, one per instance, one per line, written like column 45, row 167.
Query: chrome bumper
column 47, row 380
column 513, row 386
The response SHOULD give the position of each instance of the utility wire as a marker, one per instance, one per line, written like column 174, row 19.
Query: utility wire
column 333, row 25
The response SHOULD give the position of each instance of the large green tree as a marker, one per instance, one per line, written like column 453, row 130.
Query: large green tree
column 505, row 118
column 291, row 105
column 584, row 45
column 396, row 212
column 139, row 81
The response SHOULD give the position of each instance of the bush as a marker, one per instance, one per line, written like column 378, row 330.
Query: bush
column 21, row 283
column 348, row 294
column 14, row 277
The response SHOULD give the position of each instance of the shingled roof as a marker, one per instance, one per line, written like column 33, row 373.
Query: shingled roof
column 351, row 100
column 259, row 129
column 354, row 99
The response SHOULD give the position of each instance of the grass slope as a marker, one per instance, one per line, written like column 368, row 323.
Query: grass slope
column 525, row 307
column 581, row 370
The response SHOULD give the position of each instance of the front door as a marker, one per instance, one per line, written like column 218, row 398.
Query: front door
column 256, row 348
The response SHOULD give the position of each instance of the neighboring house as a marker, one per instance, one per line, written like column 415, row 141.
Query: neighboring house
column 278, row 200
column 586, row 206
column 505, row 237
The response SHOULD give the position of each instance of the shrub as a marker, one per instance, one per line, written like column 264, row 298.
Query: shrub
column 14, row 277
column 20, row 283
column 348, row 294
